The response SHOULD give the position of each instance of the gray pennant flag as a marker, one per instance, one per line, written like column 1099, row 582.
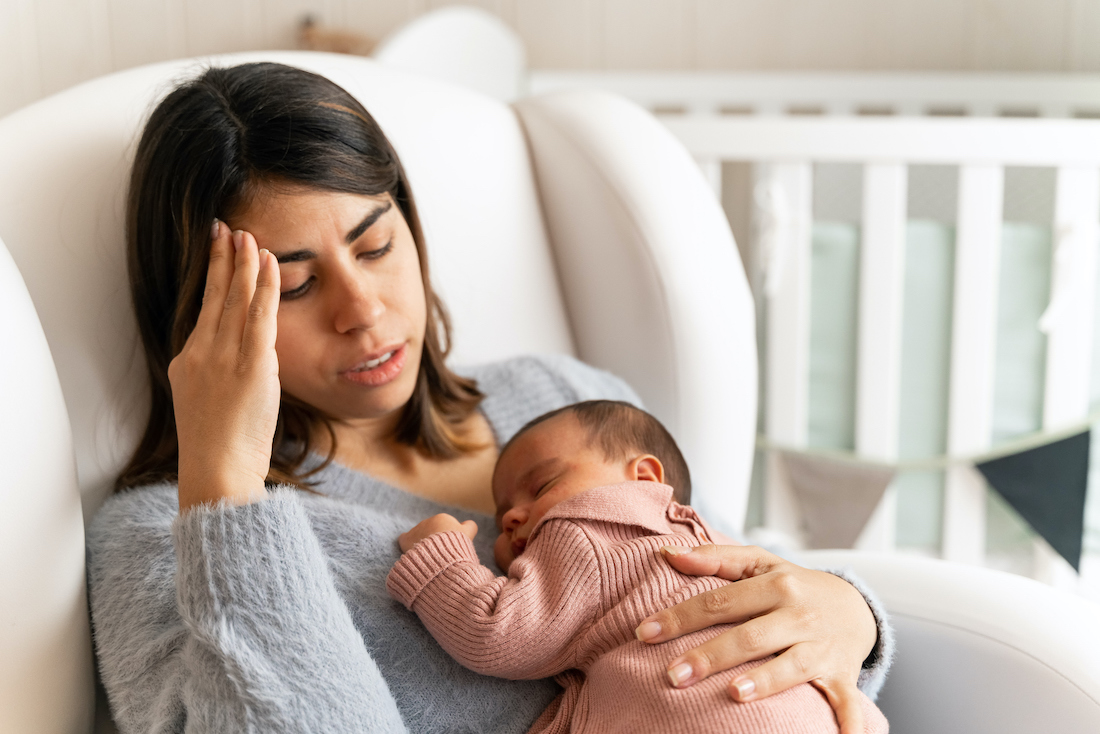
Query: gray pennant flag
column 836, row 498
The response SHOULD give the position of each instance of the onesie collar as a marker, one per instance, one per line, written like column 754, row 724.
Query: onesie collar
column 643, row 504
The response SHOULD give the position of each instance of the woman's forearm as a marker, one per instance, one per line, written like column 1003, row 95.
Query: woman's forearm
column 227, row 619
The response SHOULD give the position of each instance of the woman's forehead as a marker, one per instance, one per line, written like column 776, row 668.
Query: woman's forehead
column 283, row 218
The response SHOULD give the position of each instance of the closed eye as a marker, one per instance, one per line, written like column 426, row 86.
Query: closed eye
column 380, row 252
column 305, row 287
column 297, row 292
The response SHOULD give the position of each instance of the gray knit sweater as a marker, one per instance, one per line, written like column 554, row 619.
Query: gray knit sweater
column 274, row 616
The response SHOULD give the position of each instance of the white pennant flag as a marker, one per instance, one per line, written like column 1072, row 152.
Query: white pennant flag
column 836, row 498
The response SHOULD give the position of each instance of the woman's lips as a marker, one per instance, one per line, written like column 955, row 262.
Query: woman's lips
column 379, row 374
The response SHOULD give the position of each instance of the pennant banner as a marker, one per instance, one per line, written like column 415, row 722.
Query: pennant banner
column 836, row 498
column 1046, row 485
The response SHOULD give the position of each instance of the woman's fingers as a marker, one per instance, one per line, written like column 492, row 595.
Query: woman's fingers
column 261, row 327
column 238, row 299
column 847, row 704
column 219, row 274
column 795, row 665
column 731, row 562
column 731, row 603
column 752, row 640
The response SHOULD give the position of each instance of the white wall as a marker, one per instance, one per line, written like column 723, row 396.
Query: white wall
column 47, row 45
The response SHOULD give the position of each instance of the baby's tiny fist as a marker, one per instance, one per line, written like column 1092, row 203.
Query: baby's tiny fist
column 440, row 523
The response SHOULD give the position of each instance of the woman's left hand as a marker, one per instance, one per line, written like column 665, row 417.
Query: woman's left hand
column 818, row 625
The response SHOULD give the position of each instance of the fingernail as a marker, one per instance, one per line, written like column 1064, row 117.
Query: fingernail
column 647, row 631
column 214, row 229
column 679, row 674
column 238, row 239
column 263, row 254
column 675, row 550
column 744, row 688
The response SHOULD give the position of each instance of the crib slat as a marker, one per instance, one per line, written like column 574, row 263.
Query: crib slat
column 1069, row 337
column 973, row 355
column 882, row 271
column 1069, row 333
column 785, row 189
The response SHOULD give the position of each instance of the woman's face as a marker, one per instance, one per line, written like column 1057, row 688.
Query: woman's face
column 353, row 313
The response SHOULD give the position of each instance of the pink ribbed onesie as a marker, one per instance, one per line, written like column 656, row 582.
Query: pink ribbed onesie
column 591, row 572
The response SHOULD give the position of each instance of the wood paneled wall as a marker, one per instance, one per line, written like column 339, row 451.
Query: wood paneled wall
column 47, row 45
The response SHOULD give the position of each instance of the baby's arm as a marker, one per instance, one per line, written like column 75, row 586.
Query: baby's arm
column 520, row 626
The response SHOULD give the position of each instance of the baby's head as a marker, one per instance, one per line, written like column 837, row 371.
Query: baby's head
column 567, row 451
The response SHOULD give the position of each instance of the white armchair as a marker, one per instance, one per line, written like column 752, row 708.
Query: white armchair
column 569, row 223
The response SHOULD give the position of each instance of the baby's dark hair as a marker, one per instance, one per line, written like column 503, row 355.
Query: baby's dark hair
column 620, row 428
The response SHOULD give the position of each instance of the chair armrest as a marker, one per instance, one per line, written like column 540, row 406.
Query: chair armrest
column 981, row 650
column 652, row 280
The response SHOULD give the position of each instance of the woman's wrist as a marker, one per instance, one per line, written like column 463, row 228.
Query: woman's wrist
column 197, row 487
column 877, row 662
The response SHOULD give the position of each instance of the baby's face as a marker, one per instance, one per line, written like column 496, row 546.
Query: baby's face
column 547, row 465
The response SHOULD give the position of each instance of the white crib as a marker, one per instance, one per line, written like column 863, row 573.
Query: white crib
column 784, row 124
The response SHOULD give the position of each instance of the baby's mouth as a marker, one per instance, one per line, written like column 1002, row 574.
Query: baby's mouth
column 518, row 546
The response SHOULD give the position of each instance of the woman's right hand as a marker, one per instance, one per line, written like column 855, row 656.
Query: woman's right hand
column 225, row 381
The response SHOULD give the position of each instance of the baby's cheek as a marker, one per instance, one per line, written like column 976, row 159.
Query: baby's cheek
column 502, row 552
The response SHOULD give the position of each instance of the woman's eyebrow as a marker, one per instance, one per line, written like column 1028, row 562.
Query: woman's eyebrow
column 368, row 220
column 298, row 256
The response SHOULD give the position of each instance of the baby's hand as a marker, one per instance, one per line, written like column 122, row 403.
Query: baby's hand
column 436, row 524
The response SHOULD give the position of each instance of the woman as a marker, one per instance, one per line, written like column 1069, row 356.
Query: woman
column 302, row 415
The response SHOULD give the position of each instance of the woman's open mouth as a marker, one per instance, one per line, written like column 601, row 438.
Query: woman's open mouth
column 379, row 370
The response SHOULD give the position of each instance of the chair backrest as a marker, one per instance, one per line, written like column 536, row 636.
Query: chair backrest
column 62, row 186
column 462, row 45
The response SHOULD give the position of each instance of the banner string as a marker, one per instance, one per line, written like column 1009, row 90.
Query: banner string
column 945, row 461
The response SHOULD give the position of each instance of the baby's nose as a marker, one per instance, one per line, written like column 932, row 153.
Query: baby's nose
column 513, row 519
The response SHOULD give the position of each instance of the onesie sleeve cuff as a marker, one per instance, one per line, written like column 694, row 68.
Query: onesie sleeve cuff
column 426, row 560
column 873, row 675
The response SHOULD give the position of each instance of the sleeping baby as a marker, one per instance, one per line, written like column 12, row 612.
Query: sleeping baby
column 587, row 496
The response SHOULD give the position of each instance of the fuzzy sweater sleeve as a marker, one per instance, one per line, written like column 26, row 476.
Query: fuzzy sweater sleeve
column 226, row 619
column 518, row 627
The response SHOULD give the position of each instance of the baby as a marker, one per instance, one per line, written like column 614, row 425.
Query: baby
column 586, row 497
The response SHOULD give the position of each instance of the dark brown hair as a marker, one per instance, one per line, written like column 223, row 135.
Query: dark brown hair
column 208, row 146
column 620, row 429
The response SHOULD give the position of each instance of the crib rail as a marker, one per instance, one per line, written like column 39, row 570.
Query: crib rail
column 784, row 151
column 883, row 93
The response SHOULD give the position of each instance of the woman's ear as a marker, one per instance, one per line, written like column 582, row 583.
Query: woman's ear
column 646, row 468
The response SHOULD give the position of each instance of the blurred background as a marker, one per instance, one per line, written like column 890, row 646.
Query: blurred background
column 48, row 45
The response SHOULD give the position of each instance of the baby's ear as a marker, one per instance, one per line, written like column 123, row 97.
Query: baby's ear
column 646, row 468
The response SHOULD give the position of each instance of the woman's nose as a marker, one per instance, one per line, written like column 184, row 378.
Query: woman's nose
column 357, row 305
